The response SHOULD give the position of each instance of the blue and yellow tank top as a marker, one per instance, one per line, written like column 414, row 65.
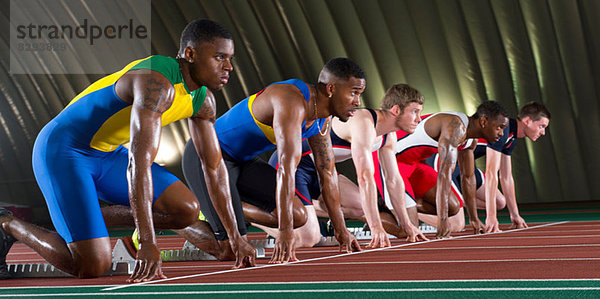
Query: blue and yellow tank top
column 97, row 117
column 243, row 137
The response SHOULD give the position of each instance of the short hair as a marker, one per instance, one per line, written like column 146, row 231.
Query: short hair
column 534, row 110
column 343, row 68
column 490, row 110
column 401, row 94
column 200, row 31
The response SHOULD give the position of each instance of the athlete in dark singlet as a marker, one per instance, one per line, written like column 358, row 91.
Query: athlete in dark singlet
column 367, row 132
column 78, row 158
column 280, row 116
column 531, row 122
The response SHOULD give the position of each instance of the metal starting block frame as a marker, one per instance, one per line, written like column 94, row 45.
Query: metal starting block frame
column 427, row 229
column 361, row 234
column 46, row 270
column 188, row 253
column 189, row 247
column 123, row 262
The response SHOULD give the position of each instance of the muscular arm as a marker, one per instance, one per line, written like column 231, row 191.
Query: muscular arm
column 205, row 141
column 451, row 135
column 395, row 186
column 363, row 137
column 466, row 163
column 508, row 187
column 152, row 95
column 492, row 165
column 325, row 164
column 288, row 116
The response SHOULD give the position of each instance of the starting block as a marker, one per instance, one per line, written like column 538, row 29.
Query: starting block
column 361, row 234
column 123, row 264
column 329, row 241
column 189, row 252
column 260, row 251
column 427, row 229
column 46, row 270
column 261, row 244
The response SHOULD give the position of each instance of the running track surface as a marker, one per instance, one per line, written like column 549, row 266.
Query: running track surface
column 547, row 259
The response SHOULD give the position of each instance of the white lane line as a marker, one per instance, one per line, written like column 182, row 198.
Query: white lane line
column 386, row 281
column 563, row 230
column 442, row 281
column 453, row 262
column 496, row 247
column 537, row 237
column 320, row 258
column 194, row 266
column 424, row 262
column 461, row 290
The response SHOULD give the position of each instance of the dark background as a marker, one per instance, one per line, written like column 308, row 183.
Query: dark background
column 457, row 53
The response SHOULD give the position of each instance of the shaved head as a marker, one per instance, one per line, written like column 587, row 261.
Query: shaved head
column 340, row 69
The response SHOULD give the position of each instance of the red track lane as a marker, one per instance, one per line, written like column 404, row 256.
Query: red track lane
column 562, row 251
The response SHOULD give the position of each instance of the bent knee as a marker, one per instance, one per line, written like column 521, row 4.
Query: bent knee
column 183, row 215
column 300, row 217
column 308, row 235
column 187, row 215
column 94, row 271
column 500, row 203
column 453, row 207
column 179, row 205
column 93, row 265
column 353, row 212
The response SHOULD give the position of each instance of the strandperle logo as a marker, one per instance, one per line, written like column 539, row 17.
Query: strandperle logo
column 78, row 36
column 83, row 31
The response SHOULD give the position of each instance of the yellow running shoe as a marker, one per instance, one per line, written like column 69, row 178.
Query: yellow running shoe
column 135, row 238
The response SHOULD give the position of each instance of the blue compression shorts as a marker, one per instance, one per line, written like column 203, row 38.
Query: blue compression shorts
column 73, row 178
column 307, row 179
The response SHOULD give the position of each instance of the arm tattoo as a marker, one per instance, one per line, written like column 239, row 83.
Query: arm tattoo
column 457, row 132
column 155, row 96
column 321, row 147
column 207, row 110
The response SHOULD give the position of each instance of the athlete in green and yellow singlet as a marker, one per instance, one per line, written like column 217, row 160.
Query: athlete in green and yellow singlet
column 78, row 158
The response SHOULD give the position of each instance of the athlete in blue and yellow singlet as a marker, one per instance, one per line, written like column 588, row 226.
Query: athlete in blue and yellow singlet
column 78, row 156
column 278, row 117
column 242, row 137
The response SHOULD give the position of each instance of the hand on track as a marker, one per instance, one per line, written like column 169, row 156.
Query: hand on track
column 478, row 227
column 518, row 222
column 414, row 234
column 284, row 250
column 147, row 264
column 443, row 230
column 347, row 241
column 245, row 254
column 492, row 225
column 379, row 239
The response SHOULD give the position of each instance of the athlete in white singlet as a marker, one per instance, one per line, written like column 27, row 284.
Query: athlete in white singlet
column 447, row 133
